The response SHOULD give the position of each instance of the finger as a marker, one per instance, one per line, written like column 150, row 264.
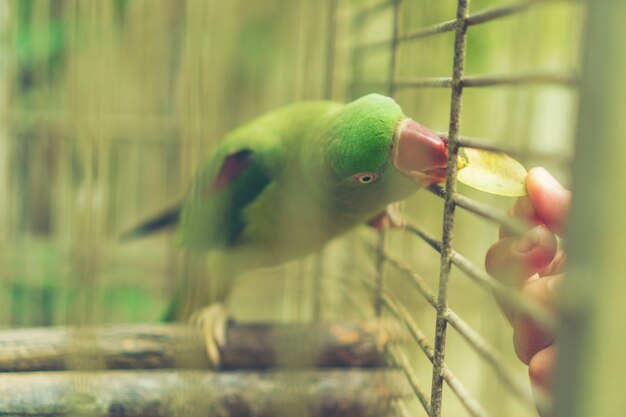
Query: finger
column 523, row 209
column 541, row 369
column 513, row 260
column 528, row 337
column 556, row 266
column 550, row 200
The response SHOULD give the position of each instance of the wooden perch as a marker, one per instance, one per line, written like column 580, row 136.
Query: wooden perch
column 328, row 393
column 248, row 346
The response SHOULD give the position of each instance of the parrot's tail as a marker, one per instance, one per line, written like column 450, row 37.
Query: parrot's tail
column 162, row 221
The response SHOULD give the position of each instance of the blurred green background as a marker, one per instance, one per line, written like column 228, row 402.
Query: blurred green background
column 107, row 107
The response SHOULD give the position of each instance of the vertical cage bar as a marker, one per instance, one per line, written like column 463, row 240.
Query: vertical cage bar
column 331, row 43
column 591, row 369
column 380, row 272
column 460, row 44
column 329, row 83
column 394, row 47
column 380, row 249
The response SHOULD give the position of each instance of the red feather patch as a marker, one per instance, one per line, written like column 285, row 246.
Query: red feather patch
column 234, row 165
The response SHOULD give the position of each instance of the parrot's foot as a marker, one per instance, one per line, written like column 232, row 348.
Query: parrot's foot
column 389, row 219
column 213, row 320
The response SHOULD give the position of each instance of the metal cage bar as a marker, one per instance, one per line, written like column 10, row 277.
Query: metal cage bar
column 400, row 359
column 472, row 406
column 483, row 210
column 457, row 82
column 492, row 80
column 539, row 314
column 380, row 261
column 479, row 18
column 460, row 45
column 477, row 342
column 400, row 407
column 489, row 145
column 396, row 308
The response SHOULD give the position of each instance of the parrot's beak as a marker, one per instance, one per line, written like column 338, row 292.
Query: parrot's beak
column 419, row 153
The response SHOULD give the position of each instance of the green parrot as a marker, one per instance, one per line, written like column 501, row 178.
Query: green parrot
column 283, row 185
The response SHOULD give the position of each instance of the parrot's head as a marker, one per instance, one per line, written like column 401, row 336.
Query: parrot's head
column 378, row 155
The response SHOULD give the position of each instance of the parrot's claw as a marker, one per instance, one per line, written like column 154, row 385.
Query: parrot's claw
column 213, row 321
column 390, row 218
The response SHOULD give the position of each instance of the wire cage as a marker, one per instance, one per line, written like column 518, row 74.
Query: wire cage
column 402, row 82
column 90, row 142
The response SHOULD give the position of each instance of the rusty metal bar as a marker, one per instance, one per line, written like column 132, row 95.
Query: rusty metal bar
column 435, row 82
column 470, row 403
column 490, row 145
column 539, row 314
column 475, row 19
column 551, row 78
column 473, row 338
column 499, row 12
column 517, row 386
column 443, row 27
column 564, row 79
column 460, row 45
column 513, row 225
column 400, row 359
column 472, row 406
column 424, row 32
column 485, row 211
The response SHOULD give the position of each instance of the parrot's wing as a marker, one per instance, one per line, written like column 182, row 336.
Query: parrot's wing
column 212, row 216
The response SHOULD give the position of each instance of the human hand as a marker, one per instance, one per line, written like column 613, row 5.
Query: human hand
column 534, row 263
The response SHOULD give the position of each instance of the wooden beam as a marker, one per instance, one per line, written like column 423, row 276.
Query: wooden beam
column 248, row 346
column 328, row 393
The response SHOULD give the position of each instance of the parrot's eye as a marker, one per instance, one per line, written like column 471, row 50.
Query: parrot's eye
column 365, row 178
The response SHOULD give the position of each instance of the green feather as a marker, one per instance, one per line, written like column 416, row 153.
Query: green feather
column 362, row 134
column 298, row 192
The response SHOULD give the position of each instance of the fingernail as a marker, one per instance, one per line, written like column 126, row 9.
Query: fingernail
column 547, row 178
column 527, row 242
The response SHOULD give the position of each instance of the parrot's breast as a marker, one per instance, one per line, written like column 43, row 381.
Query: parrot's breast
column 285, row 226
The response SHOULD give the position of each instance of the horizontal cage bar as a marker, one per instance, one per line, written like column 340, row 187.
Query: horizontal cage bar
column 478, row 18
column 539, row 314
column 400, row 359
column 472, row 81
column 516, row 226
column 471, row 336
column 491, row 145
column 394, row 306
